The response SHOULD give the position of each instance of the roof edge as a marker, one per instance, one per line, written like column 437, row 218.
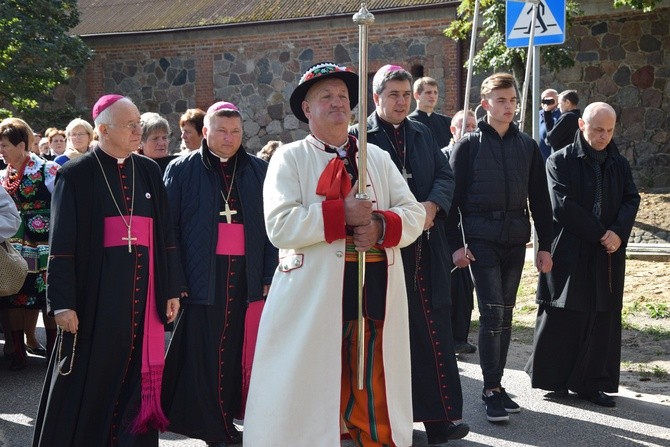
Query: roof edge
column 265, row 22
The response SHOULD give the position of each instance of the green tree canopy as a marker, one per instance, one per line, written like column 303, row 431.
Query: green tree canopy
column 37, row 53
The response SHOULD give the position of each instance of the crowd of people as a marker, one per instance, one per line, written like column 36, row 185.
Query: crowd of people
column 251, row 263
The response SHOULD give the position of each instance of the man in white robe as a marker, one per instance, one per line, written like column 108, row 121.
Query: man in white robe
column 303, row 380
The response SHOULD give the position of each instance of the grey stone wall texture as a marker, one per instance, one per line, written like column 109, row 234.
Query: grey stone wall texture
column 624, row 60
column 621, row 58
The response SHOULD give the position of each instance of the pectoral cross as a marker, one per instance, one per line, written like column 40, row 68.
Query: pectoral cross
column 406, row 174
column 228, row 213
column 130, row 240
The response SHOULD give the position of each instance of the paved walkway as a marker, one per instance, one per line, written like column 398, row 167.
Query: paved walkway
column 638, row 420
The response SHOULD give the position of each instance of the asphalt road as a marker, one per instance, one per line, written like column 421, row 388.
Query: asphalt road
column 636, row 421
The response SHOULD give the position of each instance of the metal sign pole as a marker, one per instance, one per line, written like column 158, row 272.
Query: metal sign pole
column 468, row 82
column 529, row 63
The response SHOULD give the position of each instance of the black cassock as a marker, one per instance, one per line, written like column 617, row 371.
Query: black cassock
column 202, row 388
column 98, row 401
column 436, row 385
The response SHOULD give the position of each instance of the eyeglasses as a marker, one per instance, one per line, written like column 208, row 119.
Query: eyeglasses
column 79, row 134
column 548, row 101
column 130, row 126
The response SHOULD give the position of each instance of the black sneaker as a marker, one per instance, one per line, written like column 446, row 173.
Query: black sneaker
column 495, row 408
column 510, row 405
column 463, row 347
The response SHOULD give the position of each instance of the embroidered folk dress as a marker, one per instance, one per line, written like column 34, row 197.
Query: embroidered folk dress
column 33, row 199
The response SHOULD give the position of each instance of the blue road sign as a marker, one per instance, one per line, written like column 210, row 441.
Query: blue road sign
column 549, row 25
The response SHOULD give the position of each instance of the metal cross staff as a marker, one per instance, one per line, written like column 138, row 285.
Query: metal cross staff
column 363, row 18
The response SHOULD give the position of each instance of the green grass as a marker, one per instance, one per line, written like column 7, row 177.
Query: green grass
column 658, row 310
column 646, row 372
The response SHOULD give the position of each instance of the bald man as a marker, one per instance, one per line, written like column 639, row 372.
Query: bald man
column 577, row 343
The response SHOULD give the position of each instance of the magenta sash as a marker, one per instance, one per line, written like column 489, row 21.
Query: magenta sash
column 230, row 240
column 153, row 340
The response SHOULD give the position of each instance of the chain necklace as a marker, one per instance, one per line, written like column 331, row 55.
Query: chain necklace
column 12, row 181
column 129, row 222
column 406, row 175
column 227, row 211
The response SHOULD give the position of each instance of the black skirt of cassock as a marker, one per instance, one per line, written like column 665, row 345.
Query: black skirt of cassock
column 96, row 404
column 577, row 350
column 436, row 384
column 202, row 382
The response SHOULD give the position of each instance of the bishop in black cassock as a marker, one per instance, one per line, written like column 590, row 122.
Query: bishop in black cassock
column 216, row 197
column 113, row 281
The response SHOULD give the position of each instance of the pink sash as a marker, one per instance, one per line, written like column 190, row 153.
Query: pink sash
column 153, row 340
column 230, row 240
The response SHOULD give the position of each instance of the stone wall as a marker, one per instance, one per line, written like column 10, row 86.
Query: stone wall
column 624, row 60
column 258, row 67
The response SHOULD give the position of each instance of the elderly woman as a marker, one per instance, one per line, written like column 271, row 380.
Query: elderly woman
column 156, row 139
column 79, row 136
column 57, row 142
column 29, row 180
column 190, row 124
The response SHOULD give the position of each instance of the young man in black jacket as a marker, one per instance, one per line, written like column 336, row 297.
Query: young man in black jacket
column 497, row 170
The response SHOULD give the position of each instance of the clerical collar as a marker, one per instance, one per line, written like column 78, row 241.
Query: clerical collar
column 118, row 160
column 390, row 126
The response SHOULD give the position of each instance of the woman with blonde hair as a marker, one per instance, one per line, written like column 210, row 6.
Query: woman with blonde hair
column 79, row 136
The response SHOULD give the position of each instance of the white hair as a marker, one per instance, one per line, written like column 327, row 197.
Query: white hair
column 105, row 117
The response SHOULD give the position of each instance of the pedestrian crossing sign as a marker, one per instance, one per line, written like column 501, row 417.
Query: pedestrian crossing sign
column 549, row 24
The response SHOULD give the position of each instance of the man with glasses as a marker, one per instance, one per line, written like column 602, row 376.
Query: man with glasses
column 114, row 281
column 549, row 114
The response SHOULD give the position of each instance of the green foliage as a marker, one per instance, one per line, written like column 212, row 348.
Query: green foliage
column 36, row 51
column 658, row 310
column 644, row 5
column 494, row 55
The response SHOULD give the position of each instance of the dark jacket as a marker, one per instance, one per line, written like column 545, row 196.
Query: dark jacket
column 563, row 132
column 581, row 264
column 439, row 125
column 495, row 178
column 547, row 121
column 432, row 180
column 194, row 191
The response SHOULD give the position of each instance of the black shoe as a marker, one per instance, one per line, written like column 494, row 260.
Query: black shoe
column 495, row 407
column 510, row 405
column 39, row 350
column 463, row 347
column 439, row 433
column 598, row 398
column 558, row 393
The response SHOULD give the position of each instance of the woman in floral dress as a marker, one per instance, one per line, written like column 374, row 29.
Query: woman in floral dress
column 29, row 180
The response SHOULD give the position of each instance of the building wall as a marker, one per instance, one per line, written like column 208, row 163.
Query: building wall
column 258, row 67
column 624, row 59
